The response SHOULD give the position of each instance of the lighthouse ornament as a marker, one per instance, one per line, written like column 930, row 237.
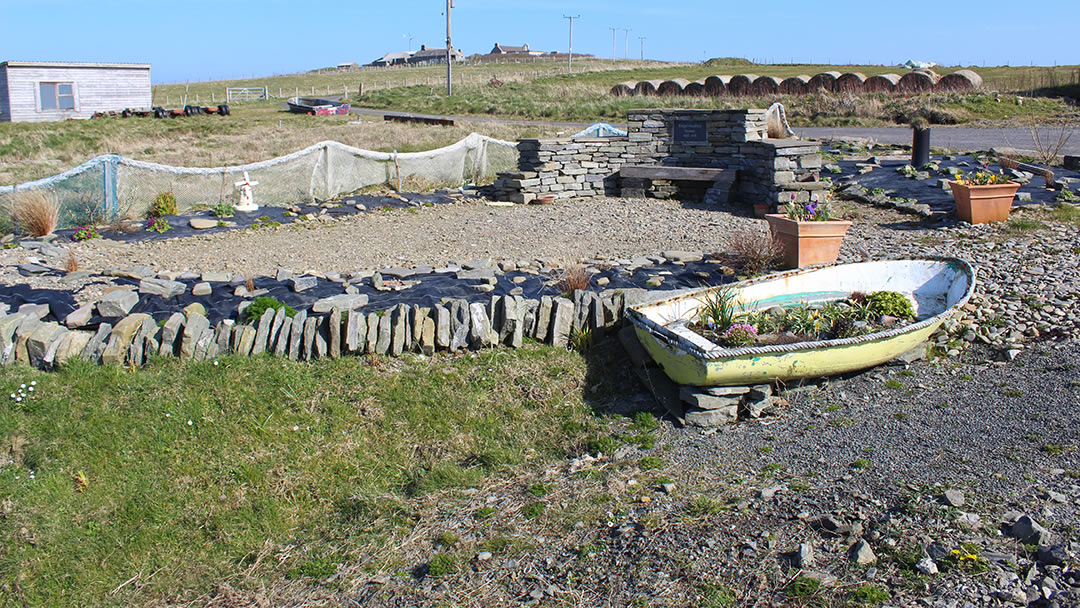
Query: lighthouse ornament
column 247, row 194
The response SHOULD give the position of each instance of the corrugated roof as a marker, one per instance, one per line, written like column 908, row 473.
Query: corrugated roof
column 73, row 64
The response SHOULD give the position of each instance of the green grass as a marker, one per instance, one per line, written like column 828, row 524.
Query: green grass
column 191, row 473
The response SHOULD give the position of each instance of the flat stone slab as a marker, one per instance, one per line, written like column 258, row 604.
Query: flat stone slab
column 117, row 303
column 161, row 287
column 344, row 302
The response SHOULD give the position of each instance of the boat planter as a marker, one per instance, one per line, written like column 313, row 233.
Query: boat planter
column 983, row 204
column 938, row 287
column 807, row 243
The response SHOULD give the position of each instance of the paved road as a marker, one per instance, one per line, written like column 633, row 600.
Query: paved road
column 951, row 138
column 505, row 121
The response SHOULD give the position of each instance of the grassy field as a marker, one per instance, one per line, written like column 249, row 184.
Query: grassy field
column 585, row 97
column 132, row 487
column 255, row 131
column 323, row 82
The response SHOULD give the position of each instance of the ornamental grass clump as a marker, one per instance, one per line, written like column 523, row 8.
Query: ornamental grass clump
column 717, row 311
column 36, row 212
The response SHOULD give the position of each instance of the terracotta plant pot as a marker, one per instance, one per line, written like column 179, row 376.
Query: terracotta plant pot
column 761, row 209
column 983, row 204
column 807, row 243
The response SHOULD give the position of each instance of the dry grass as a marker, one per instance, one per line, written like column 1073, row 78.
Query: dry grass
column 36, row 212
column 1048, row 146
column 71, row 263
column 757, row 248
column 573, row 277
column 249, row 282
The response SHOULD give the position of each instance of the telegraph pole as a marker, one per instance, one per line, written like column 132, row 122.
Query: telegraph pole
column 570, row 54
column 449, row 52
column 626, row 43
column 613, row 30
column 642, row 39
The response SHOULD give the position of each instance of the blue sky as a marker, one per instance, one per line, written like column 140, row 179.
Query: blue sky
column 200, row 40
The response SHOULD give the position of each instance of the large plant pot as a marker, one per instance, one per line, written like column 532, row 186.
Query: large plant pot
column 807, row 243
column 983, row 204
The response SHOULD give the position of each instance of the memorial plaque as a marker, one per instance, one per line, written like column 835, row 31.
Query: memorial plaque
column 690, row 132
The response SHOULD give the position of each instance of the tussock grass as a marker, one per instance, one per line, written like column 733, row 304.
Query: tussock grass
column 251, row 470
column 36, row 212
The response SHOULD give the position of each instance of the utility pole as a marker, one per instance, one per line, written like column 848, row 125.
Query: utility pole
column 626, row 42
column 642, row 39
column 570, row 54
column 449, row 52
column 613, row 30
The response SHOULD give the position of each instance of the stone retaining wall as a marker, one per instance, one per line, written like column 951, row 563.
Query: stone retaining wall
column 452, row 325
column 766, row 170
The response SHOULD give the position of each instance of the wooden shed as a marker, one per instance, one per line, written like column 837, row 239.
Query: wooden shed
column 38, row 91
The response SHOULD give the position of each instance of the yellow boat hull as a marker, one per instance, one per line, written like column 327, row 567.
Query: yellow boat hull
column 685, row 368
column 937, row 287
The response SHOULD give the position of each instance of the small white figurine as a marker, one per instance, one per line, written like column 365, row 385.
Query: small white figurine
column 247, row 194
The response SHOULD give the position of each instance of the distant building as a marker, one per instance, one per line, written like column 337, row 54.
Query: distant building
column 391, row 59
column 426, row 56
column 503, row 49
column 348, row 65
column 39, row 91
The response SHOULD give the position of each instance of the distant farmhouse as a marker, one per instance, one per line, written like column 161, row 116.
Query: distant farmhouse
column 424, row 56
column 38, row 91
column 502, row 49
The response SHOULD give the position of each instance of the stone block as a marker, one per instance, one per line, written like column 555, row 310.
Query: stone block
column 161, row 288
column 562, row 321
column 117, row 304
column 296, row 338
column 194, row 327
column 120, row 338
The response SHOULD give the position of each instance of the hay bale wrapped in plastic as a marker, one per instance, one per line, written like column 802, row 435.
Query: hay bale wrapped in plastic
column 673, row 87
column 695, row 89
column 825, row 81
column 851, row 83
column 647, row 87
column 765, row 85
column 796, row 85
column 882, row 83
column 717, row 86
column 960, row 80
column 918, row 81
column 623, row 89
column 741, row 84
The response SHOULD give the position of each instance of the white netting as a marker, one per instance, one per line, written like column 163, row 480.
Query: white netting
column 109, row 186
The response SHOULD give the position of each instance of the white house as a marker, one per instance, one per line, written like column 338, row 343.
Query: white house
column 36, row 91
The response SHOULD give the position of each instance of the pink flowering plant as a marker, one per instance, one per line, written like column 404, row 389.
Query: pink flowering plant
column 85, row 233
column 739, row 334
column 158, row 224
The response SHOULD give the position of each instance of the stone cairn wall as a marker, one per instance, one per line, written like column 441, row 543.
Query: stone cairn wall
column 331, row 328
column 762, row 170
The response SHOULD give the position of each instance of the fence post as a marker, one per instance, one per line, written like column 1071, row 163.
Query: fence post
column 110, row 202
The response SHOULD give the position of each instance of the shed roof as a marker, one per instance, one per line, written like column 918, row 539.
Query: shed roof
column 73, row 64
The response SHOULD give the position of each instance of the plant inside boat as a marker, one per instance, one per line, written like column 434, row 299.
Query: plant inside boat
column 858, row 314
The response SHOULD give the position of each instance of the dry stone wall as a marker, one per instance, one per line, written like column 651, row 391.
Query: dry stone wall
column 763, row 170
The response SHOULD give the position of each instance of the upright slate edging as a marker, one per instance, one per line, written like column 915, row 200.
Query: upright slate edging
column 451, row 325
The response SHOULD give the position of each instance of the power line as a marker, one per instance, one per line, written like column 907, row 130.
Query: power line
column 613, row 30
column 626, row 42
column 570, row 49
column 642, row 39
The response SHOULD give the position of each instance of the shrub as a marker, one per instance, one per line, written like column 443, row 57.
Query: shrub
column 870, row 594
column 256, row 309
column 739, row 335
column 164, row 204
column 222, row 210
column 890, row 303
column 758, row 249
column 36, row 212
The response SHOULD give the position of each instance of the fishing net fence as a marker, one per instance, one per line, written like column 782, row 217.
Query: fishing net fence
column 112, row 187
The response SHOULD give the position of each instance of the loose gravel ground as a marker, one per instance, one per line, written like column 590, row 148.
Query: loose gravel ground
column 874, row 451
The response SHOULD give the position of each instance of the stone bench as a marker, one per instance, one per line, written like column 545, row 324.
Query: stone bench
column 636, row 180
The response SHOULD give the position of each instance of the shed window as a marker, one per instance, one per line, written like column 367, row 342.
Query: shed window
column 57, row 96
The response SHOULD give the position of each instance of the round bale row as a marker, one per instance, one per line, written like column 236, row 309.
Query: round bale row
column 852, row 83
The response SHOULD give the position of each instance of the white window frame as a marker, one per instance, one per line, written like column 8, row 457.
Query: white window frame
column 56, row 84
